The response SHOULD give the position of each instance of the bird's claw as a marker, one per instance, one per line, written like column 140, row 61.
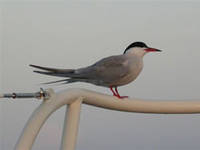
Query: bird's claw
column 120, row 97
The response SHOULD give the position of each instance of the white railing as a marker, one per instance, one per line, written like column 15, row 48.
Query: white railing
column 73, row 98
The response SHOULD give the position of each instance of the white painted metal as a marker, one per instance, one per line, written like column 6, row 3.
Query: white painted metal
column 70, row 98
column 35, row 122
column 71, row 124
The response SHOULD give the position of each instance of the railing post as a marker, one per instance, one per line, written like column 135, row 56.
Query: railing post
column 71, row 124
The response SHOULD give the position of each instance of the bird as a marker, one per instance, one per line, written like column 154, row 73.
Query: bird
column 110, row 72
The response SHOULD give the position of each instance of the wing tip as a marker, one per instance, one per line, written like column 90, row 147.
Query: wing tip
column 36, row 66
column 31, row 65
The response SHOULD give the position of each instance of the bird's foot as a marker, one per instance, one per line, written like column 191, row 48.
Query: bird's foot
column 116, row 93
column 120, row 97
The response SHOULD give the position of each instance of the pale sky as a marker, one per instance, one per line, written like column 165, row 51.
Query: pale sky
column 76, row 34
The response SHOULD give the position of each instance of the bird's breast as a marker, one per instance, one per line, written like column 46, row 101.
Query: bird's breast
column 135, row 67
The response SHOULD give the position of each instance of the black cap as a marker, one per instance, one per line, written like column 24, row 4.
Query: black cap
column 136, row 44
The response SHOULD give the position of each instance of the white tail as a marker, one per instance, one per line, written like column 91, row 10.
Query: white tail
column 73, row 98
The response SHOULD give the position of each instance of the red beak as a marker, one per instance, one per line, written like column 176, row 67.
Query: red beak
column 152, row 50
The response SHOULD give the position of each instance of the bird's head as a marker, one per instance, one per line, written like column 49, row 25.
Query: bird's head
column 139, row 48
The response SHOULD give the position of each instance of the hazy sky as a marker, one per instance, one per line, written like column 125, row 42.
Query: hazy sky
column 76, row 34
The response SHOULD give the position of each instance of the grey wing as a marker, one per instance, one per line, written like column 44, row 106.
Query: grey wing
column 106, row 71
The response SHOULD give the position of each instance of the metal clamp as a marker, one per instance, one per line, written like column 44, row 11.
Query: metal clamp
column 42, row 94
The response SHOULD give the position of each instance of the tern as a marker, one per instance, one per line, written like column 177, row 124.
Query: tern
column 111, row 72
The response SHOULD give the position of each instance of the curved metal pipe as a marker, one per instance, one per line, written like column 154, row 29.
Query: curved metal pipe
column 68, row 97
column 134, row 104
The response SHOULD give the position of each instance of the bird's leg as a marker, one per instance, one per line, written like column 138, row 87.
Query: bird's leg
column 114, row 94
column 116, row 90
column 117, row 93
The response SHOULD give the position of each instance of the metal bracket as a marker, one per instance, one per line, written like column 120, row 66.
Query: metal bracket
column 42, row 94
